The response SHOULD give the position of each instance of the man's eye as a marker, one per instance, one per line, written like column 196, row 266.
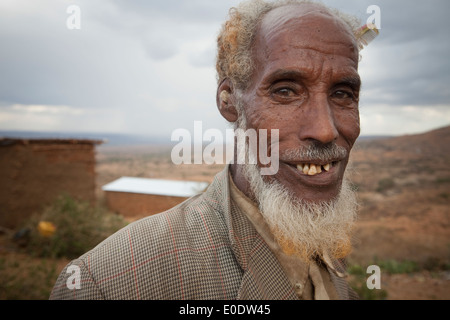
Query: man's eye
column 285, row 92
column 342, row 94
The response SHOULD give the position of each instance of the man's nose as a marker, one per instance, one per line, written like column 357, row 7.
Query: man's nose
column 318, row 121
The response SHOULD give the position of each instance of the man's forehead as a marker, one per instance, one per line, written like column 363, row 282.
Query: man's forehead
column 281, row 15
column 312, row 25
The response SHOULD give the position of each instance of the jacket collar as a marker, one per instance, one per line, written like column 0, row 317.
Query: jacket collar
column 262, row 276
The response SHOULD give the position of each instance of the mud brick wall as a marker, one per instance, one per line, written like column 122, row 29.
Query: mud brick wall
column 34, row 172
column 136, row 205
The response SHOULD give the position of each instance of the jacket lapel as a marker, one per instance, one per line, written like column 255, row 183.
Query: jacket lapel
column 337, row 270
column 263, row 278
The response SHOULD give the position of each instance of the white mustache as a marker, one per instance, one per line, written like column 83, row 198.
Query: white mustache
column 326, row 153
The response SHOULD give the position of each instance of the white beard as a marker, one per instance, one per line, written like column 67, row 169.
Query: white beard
column 305, row 229
column 302, row 228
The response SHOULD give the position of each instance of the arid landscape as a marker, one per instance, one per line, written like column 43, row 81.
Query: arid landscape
column 403, row 186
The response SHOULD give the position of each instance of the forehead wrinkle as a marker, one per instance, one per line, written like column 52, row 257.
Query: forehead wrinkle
column 326, row 47
column 310, row 71
column 286, row 14
column 293, row 40
column 325, row 33
column 309, row 18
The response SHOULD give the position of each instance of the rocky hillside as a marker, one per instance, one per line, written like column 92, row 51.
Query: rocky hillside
column 404, row 189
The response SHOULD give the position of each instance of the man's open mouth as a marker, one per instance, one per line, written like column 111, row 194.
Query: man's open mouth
column 312, row 169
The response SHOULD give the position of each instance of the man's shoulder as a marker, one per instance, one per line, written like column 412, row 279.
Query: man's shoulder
column 169, row 255
column 155, row 235
column 136, row 261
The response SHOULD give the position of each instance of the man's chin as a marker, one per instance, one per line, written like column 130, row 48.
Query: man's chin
column 305, row 228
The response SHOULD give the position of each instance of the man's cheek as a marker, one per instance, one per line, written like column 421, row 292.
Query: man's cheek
column 349, row 126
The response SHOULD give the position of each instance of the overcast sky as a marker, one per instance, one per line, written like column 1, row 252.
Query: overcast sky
column 147, row 67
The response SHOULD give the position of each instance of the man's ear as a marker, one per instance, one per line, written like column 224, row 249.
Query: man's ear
column 226, row 102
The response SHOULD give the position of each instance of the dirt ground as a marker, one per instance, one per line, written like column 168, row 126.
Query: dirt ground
column 417, row 286
column 403, row 187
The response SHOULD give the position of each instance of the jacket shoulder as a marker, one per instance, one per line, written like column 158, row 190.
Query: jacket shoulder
column 156, row 257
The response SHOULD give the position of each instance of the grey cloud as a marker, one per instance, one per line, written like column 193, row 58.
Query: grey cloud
column 203, row 58
column 415, row 73
column 408, row 21
column 162, row 26
column 159, row 47
column 41, row 62
column 407, row 64
column 199, row 12
column 114, row 63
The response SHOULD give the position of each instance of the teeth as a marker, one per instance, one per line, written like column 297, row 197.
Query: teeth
column 306, row 168
column 312, row 169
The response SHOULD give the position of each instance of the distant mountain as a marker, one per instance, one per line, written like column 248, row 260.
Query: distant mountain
column 110, row 139
column 373, row 137
column 438, row 139
column 435, row 142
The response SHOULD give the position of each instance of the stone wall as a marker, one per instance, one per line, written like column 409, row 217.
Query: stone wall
column 34, row 172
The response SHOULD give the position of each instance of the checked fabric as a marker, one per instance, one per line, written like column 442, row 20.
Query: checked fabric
column 204, row 248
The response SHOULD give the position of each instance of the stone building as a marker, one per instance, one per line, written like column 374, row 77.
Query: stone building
column 33, row 172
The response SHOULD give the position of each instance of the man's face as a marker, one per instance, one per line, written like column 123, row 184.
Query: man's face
column 306, row 85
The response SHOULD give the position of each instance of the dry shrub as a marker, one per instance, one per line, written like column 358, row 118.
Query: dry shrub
column 79, row 227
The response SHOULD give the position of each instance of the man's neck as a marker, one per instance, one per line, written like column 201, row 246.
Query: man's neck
column 237, row 174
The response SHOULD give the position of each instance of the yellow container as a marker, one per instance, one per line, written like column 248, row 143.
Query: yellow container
column 46, row 229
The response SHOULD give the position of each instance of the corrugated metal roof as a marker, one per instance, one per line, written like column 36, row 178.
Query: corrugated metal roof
column 156, row 186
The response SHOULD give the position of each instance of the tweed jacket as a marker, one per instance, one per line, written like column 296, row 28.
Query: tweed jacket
column 204, row 248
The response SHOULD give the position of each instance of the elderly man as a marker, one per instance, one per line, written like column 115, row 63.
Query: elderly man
column 290, row 66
